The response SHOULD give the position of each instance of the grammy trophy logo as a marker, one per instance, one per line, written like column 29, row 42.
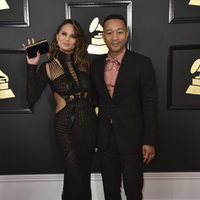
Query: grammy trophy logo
column 5, row 92
column 194, row 88
column 194, row 2
column 97, row 46
column 4, row 5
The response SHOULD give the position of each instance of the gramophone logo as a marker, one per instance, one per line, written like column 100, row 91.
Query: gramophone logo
column 3, row 5
column 5, row 92
column 194, row 88
column 194, row 2
column 97, row 46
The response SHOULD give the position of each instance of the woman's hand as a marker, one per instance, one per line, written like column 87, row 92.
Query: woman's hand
column 34, row 60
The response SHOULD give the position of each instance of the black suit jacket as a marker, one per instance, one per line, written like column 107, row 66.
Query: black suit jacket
column 133, row 107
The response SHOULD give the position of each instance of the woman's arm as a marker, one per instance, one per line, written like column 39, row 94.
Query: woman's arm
column 36, row 81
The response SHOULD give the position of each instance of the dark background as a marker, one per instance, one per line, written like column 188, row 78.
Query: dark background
column 27, row 141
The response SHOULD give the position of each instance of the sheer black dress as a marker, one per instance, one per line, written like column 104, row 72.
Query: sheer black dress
column 75, row 123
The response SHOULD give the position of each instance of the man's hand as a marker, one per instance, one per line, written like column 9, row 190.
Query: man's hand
column 148, row 152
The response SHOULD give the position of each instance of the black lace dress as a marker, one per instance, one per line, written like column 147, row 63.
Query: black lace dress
column 75, row 123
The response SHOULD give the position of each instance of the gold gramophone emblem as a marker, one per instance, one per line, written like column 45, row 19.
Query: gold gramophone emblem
column 195, row 87
column 5, row 92
column 194, row 2
column 97, row 46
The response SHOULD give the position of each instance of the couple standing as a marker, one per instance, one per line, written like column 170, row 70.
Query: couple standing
column 125, row 90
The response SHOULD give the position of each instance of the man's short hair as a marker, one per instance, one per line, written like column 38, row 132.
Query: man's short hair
column 115, row 16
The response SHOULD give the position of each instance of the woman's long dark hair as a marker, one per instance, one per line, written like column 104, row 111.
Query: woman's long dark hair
column 80, row 51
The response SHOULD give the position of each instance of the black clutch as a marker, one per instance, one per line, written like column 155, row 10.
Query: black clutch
column 42, row 46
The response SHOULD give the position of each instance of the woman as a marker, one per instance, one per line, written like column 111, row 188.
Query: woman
column 75, row 121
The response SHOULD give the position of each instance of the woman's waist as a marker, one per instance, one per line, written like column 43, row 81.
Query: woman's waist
column 75, row 103
column 80, row 106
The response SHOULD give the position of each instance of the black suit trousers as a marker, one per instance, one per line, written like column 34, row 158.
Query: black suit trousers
column 117, row 166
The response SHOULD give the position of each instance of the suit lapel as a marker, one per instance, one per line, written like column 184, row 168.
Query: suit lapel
column 102, row 83
column 121, row 74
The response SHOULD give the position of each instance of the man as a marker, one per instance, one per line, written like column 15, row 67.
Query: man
column 127, row 96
